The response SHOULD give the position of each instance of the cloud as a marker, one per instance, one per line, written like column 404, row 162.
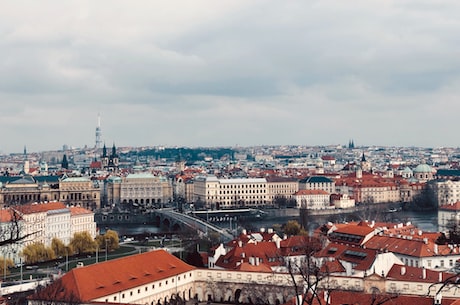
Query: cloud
column 229, row 72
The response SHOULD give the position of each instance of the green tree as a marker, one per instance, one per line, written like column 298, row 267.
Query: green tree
column 292, row 227
column 110, row 238
column 58, row 247
column 37, row 252
column 5, row 262
column 82, row 242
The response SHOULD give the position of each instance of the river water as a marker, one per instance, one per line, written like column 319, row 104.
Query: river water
column 426, row 221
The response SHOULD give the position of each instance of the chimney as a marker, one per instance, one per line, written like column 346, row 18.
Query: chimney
column 440, row 277
column 240, row 243
column 243, row 255
column 423, row 273
column 262, row 230
column 278, row 243
column 244, row 232
column 270, row 230
column 403, row 270
column 435, row 249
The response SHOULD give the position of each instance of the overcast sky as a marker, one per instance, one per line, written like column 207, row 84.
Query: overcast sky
column 225, row 73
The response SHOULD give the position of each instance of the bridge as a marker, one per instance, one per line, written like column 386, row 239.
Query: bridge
column 175, row 221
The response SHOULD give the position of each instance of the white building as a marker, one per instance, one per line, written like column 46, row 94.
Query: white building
column 448, row 216
column 82, row 220
column 313, row 199
column 230, row 193
column 41, row 222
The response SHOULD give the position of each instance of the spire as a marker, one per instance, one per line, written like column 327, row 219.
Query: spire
column 114, row 151
column 363, row 158
column 104, row 151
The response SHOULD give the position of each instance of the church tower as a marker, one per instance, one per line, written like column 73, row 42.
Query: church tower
column 365, row 165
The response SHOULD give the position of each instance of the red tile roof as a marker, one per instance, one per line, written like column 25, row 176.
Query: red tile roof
column 254, row 268
column 362, row 259
column 414, row 274
column 40, row 207
column 266, row 251
column 6, row 215
column 95, row 281
column 79, row 211
column 451, row 207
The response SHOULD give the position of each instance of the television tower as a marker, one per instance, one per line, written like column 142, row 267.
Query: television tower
column 98, row 132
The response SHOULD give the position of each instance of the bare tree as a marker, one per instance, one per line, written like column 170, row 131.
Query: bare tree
column 56, row 293
column 12, row 231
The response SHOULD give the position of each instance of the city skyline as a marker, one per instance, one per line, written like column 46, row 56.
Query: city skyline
column 229, row 73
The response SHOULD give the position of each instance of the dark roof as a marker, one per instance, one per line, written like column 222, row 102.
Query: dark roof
column 316, row 179
column 47, row 179
column 448, row 172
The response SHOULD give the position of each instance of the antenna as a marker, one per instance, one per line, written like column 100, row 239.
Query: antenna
column 98, row 132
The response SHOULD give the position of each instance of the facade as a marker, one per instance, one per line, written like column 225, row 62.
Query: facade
column 342, row 201
column 231, row 193
column 82, row 220
column 281, row 187
column 71, row 190
column 313, row 199
column 368, row 188
column 80, row 191
column 445, row 191
column 448, row 217
column 141, row 190
column 317, row 183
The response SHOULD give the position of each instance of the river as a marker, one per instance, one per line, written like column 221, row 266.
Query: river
column 426, row 221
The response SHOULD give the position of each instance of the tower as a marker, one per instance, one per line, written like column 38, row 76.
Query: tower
column 98, row 132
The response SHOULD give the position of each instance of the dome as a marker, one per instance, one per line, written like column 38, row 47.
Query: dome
column 407, row 170
column 423, row 168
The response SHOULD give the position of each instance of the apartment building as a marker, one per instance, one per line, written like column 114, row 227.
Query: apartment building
column 41, row 222
column 448, row 217
column 317, row 183
column 312, row 199
column 281, row 187
column 445, row 191
column 217, row 193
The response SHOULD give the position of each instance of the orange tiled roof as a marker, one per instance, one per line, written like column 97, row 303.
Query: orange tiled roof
column 413, row 247
column 254, row 268
column 451, row 207
column 362, row 259
column 79, row 211
column 6, row 215
column 40, row 207
column 95, row 281
column 414, row 274
column 262, row 250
